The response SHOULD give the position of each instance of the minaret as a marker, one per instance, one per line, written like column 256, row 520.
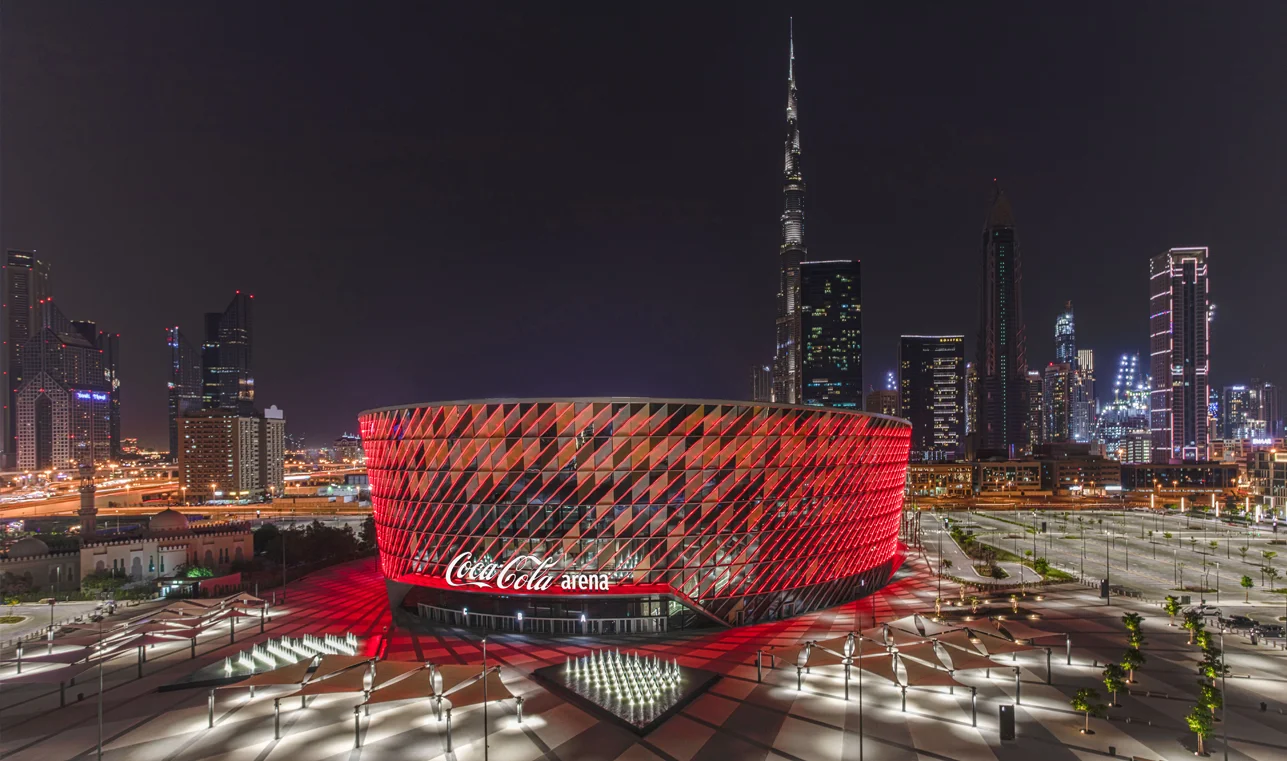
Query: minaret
column 88, row 513
column 786, row 361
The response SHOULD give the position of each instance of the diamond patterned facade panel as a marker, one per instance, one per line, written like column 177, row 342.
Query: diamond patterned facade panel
column 740, row 511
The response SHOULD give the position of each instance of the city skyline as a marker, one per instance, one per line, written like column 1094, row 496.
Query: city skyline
column 412, row 201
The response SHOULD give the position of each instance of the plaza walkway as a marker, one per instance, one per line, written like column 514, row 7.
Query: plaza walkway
column 739, row 718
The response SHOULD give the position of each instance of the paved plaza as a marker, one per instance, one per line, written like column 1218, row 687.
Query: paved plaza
column 740, row 717
column 1131, row 548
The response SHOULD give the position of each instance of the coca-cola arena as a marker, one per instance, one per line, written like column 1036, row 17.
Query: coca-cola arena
column 626, row 515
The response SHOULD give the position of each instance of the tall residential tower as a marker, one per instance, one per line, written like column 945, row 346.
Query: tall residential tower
column 1002, row 355
column 1180, row 354
column 831, row 334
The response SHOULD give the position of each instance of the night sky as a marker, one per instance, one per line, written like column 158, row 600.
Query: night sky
column 431, row 202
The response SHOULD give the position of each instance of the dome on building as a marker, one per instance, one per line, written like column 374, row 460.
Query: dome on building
column 168, row 520
column 29, row 547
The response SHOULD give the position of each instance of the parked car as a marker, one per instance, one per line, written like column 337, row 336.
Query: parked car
column 1241, row 622
column 1204, row 610
column 1269, row 631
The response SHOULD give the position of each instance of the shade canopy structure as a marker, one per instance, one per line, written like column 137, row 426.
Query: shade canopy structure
column 835, row 644
column 919, row 644
column 1020, row 630
column 455, row 674
column 391, row 671
column 880, row 664
column 964, row 660
column 350, row 681
column 874, row 634
column 791, row 656
column 906, row 623
column 933, row 628
column 998, row 646
column 289, row 674
column 244, row 597
column 900, row 638
column 334, row 664
column 473, row 694
column 958, row 638
column 924, row 675
column 820, row 657
column 417, row 686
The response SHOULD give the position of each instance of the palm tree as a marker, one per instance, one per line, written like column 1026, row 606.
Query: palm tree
column 1246, row 582
column 1167, row 535
column 1243, row 552
column 1086, row 701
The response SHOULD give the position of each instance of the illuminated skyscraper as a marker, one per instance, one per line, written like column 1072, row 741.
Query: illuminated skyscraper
column 1002, row 355
column 787, row 359
column 227, row 382
column 24, row 284
column 931, row 384
column 1066, row 336
column 761, row 383
column 1180, row 354
column 184, row 386
column 1057, row 404
column 1127, row 414
column 1036, row 426
column 1264, row 398
column 831, row 334
column 1084, row 406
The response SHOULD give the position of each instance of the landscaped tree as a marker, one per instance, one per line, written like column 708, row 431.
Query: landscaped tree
column 1192, row 622
column 1210, row 697
column 1041, row 566
column 1247, row 583
column 1087, row 701
column 1133, row 659
column 1167, row 535
column 1172, row 607
column 1212, row 666
column 947, row 565
column 1114, row 680
column 1199, row 721
column 1193, row 543
column 1269, row 556
column 1272, row 575
column 1243, row 552
column 1214, row 546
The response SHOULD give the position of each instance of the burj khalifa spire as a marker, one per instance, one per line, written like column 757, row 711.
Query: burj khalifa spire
column 786, row 360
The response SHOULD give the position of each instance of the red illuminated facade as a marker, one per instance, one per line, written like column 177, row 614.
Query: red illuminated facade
column 677, row 511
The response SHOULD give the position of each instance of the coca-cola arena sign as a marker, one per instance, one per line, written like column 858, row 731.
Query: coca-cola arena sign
column 521, row 573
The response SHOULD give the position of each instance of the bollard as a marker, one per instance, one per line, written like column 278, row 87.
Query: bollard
column 194, row 647
column 210, row 703
column 846, row 681
column 519, row 702
column 1050, row 677
column 277, row 718
column 1016, row 687
column 904, row 699
column 140, row 662
column 448, row 730
column 261, row 618
column 62, row 695
column 799, row 675
column 759, row 667
column 19, row 657
column 1068, row 647
column 357, row 726
column 974, row 706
